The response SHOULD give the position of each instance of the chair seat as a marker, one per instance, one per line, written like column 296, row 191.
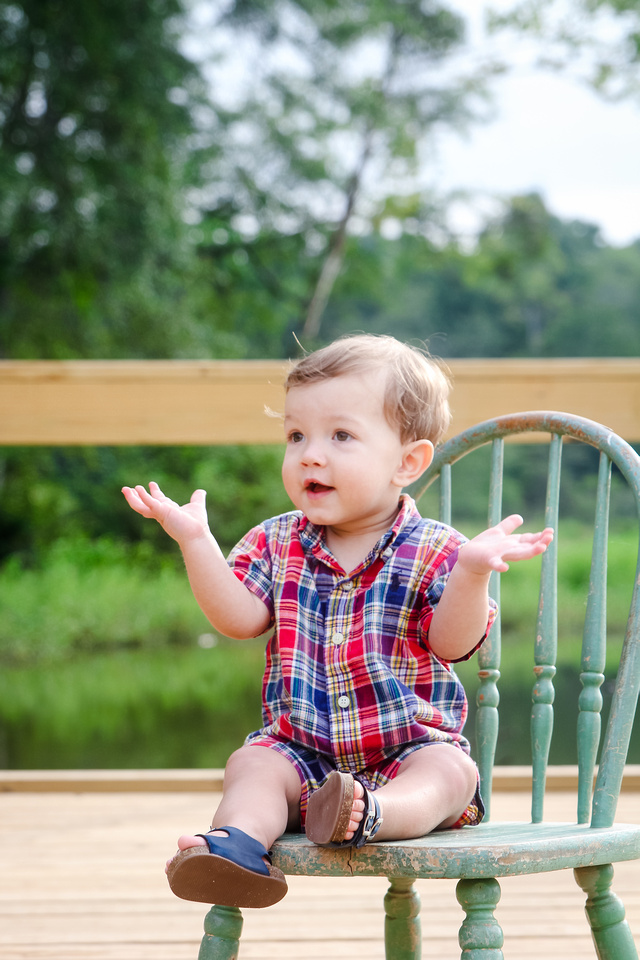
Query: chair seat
column 488, row 850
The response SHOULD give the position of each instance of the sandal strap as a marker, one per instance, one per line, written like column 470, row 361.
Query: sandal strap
column 239, row 848
column 371, row 821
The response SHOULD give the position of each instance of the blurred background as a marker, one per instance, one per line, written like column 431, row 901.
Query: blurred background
column 227, row 180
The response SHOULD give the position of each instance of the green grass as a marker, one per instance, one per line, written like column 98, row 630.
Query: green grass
column 88, row 597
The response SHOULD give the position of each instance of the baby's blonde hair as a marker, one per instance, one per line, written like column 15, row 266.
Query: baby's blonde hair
column 416, row 389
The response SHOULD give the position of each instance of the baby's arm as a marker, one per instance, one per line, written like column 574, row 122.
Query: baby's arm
column 228, row 605
column 460, row 618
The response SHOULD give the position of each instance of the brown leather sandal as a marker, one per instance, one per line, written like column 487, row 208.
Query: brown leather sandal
column 329, row 812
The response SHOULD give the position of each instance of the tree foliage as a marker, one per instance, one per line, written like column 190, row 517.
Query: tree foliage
column 166, row 198
column 598, row 41
column 143, row 188
column 327, row 120
column 95, row 116
column 533, row 286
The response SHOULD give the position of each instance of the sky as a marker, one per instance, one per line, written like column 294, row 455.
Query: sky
column 553, row 136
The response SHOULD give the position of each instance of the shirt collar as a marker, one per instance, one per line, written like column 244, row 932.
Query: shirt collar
column 312, row 536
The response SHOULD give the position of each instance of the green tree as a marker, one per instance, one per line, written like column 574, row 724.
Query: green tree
column 330, row 123
column 597, row 41
column 96, row 107
column 517, row 264
column 159, row 204
column 533, row 285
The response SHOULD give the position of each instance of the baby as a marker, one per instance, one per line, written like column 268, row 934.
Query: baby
column 369, row 605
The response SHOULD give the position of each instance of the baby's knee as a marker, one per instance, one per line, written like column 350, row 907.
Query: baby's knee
column 457, row 770
column 260, row 762
column 237, row 758
column 469, row 773
column 243, row 761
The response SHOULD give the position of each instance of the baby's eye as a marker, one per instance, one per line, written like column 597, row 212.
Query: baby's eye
column 295, row 437
column 342, row 435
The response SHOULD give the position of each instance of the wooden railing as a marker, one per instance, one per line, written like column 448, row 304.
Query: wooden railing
column 223, row 402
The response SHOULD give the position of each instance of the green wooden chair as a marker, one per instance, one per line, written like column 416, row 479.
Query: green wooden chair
column 478, row 856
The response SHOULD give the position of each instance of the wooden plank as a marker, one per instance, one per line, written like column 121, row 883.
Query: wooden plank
column 606, row 390
column 515, row 779
column 223, row 402
column 110, row 781
column 131, row 402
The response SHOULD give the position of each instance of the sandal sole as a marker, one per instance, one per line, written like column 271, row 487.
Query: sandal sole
column 329, row 810
column 197, row 874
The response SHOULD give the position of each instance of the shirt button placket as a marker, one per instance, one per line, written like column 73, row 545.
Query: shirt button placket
column 343, row 733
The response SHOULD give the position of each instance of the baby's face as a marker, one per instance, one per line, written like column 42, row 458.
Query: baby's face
column 342, row 462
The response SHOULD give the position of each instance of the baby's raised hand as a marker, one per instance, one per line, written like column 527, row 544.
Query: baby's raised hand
column 493, row 547
column 187, row 522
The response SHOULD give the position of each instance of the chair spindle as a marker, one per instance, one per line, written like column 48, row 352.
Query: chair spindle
column 546, row 641
column 488, row 696
column 594, row 647
column 445, row 494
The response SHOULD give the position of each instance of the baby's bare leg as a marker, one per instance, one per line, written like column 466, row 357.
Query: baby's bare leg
column 261, row 796
column 432, row 788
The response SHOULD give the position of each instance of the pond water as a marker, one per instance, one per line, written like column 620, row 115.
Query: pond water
column 78, row 727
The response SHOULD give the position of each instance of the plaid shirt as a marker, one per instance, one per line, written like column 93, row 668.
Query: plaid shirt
column 349, row 672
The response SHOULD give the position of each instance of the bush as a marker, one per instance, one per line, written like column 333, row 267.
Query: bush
column 91, row 596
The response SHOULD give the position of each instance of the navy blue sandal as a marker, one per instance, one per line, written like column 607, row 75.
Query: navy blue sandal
column 329, row 812
column 229, row 871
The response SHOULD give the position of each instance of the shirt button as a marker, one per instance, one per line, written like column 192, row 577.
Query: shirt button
column 347, row 585
column 344, row 701
column 337, row 639
column 388, row 553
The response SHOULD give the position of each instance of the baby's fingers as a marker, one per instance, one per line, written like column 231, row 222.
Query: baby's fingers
column 510, row 523
column 199, row 497
column 529, row 545
column 134, row 500
column 144, row 502
column 155, row 491
column 538, row 541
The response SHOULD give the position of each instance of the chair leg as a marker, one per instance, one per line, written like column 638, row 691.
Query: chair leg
column 480, row 935
column 402, row 930
column 605, row 912
column 222, row 929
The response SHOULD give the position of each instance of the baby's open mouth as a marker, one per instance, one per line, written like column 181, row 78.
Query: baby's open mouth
column 313, row 486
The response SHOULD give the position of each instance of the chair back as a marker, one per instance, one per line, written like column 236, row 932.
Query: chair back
column 595, row 804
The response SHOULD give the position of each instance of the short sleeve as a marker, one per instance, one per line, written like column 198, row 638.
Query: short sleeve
column 251, row 562
column 493, row 612
column 434, row 591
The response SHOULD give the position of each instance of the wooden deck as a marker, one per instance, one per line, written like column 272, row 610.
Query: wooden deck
column 81, row 878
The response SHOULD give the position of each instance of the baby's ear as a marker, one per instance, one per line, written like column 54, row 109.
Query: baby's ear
column 416, row 457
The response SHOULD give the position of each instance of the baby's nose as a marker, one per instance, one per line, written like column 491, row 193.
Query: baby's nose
column 313, row 453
